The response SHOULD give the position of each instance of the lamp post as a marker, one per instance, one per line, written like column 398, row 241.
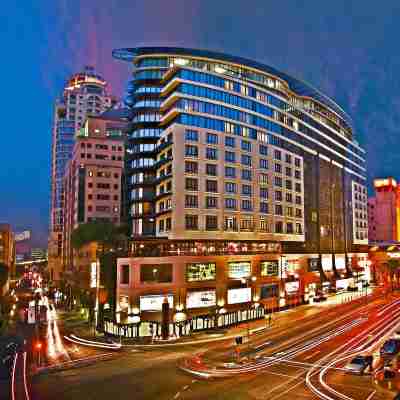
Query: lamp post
column 248, row 282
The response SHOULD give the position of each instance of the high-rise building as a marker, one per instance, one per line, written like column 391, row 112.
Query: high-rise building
column 7, row 252
column 384, row 211
column 235, row 168
column 93, row 178
column 84, row 94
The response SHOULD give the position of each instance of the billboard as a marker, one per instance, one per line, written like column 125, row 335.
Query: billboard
column 21, row 236
column 239, row 269
column 197, row 299
column 292, row 287
column 241, row 295
column 154, row 302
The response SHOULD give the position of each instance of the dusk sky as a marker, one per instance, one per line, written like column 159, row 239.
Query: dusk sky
column 347, row 49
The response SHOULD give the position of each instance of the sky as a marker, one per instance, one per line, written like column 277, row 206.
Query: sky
column 346, row 48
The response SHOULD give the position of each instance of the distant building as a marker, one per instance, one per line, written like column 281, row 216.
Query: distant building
column 93, row 178
column 7, row 251
column 384, row 211
column 84, row 94
column 38, row 254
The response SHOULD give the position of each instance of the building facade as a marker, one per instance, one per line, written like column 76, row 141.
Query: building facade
column 93, row 178
column 7, row 252
column 236, row 163
column 84, row 94
column 384, row 211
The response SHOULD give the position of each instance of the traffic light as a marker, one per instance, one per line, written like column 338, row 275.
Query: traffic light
column 38, row 346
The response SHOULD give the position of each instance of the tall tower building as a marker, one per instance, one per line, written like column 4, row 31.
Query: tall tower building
column 84, row 94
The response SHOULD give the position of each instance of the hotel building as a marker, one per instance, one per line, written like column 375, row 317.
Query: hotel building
column 84, row 94
column 245, row 185
column 92, row 186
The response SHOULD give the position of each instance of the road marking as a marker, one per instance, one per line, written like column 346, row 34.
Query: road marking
column 186, row 387
column 312, row 355
column 371, row 395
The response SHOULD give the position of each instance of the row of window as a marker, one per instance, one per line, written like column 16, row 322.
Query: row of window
column 101, row 146
column 115, row 209
column 234, row 224
column 103, row 174
column 101, row 157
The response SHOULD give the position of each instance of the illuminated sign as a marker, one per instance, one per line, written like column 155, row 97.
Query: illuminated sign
column 93, row 274
column 292, row 287
column 313, row 264
column 340, row 262
column 269, row 268
column 21, row 236
column 326, row 260
column 200, row 272
column 384, row 182
column 342, row 284
column 239, row 269
column 241, row 295
column 206, row 298
column 394, row 255
column 154, row 302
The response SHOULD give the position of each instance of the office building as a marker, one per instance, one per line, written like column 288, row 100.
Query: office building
column 236, row 171
column 93, row 181
column 7, row 252
column 84, row 94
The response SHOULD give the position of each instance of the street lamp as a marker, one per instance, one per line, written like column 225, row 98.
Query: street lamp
column 248, row 281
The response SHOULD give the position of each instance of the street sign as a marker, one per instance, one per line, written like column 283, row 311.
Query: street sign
column 31, row 315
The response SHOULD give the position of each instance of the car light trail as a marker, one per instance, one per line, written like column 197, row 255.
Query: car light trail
column 13, row 377
column 89, row 343
column 25, row 379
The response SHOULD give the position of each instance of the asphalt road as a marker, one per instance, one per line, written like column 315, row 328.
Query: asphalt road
column 302, row 358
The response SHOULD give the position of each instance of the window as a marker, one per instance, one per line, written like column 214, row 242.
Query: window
column 228, row 85
column 230, row 187
column 264, row 193
column 211, row 186
column 246, row 190
column 246, row 205
column 298, row 200
column 211, row 169
column 246, row 174
column 191, row 222
column 288, row 158
column 239, row 269
column 289, row 211
column 201, row 272
column 124, row 274
column 278, row 168
column 289, row 197
column 299, row 229
column 246, row 160
column 297, row 162
column 263, row 150
column 212, row 138
column 278, row 181
column 264, row 208
column 229, row 141
column 191, row 135
column 299, row 213
column 161, row 225
column 168, row 224
column 297, row 174
column 288, row 185
column 211, row 202
column 278, row 195
column 278, row 209
column 229, row 127
column 288, row 171
column 246, row 145
column 264, row 225
column 191, row 201
column 156, row 273
column 263, row 179
column 211, row 153
column 230, row 204
column 277, row 155
column 269, row 268
column 278, row 227
column 268, row 291
column 191, row 151
column 211, row 223
column 191, row 167
column 298, row 188
column 230, row 156
column 246, row 224
column 263, row 163
column 230, row 172
column 230, row 224
column 192, row 184
column 289, row 227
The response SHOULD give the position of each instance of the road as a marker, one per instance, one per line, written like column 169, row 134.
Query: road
column 302, row 359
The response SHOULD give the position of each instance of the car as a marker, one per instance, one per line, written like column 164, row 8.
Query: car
column 390, row 348
column 359, row 364
column 319, row 298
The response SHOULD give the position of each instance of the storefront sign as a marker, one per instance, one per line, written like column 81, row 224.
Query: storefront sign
column 196, row 272
column 342, row 284
column 269, row 268
column 154, row 302
column 313, row 264
column 340, row 262
column 292, row 287
column 239, row 269
column 93, row 274
column 241, row 295
column 326, row 260
column 197, row 299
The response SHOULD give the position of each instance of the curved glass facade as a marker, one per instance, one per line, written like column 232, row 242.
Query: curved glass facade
column 223, row 147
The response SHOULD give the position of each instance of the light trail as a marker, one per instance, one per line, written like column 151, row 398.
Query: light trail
column 25, row 379
column 83, row 342
column 13, row 377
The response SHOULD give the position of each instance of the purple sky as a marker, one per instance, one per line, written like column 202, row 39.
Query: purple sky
column 347, row 51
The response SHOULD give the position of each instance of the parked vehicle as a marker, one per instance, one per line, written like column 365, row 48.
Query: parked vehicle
column 359, row 364
column 390, row 348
